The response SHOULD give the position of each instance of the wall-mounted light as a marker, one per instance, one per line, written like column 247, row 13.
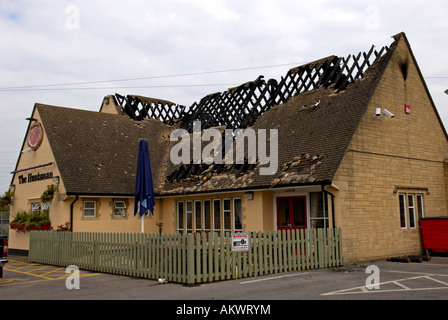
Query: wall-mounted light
column 249, row 195
column 56, row 180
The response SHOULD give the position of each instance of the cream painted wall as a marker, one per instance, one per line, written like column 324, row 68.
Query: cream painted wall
column 29, row 192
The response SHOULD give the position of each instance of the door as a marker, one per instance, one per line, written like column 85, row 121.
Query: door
column 291, row 213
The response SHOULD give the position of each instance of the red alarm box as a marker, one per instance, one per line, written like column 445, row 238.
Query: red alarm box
column 407, row 109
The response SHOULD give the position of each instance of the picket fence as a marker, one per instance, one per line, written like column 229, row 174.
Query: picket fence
column 188, row 258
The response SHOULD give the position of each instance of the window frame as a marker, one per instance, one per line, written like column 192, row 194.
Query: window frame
column 240, row 218
column 411, row 209
column 317, row 199
column 218, row 220
column 208, row 216
column 118, row 209
column 189, row 217
column 85, row 208
column 227, row 215
column 196, row 214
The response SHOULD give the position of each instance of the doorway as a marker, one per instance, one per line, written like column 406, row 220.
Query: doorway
column 291, row 213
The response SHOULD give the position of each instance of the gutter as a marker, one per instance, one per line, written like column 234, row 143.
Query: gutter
column 71, row 211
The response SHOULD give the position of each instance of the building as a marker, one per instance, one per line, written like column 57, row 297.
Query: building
column 353, row 142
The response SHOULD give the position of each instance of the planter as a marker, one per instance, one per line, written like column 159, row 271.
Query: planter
column 45, row 226
column 22, row 227
column 18, row 227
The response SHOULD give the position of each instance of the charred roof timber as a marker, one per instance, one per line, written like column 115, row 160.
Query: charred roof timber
column 239, row 107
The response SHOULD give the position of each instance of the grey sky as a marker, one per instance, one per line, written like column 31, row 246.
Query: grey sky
column 61, row 42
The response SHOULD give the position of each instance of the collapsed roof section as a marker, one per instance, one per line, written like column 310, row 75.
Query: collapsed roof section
column 239, row 107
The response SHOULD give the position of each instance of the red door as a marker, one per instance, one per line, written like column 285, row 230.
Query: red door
column 291, row 213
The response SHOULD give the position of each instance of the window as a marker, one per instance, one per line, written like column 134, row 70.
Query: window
column 46, row 207
column 226, row 215
column 402, row 202
column 119, row 209
column 318, row 210
column 411, row 209
column 420, row 212
column 238, row 226
column 207, row 216
column 35, row 207
column 180, row 216
column 197, row 216
column 89, row 209
column 189, row 215
column 216, row 215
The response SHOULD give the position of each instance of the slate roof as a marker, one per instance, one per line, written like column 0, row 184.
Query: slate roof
column 96, row 153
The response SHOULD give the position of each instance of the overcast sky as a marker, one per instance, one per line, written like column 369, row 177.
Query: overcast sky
column 82, row 45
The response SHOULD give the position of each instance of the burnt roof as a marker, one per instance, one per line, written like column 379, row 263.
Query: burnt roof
column 314, row 130
column 96, row 153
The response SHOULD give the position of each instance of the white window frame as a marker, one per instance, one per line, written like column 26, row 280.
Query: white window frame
column 85, row 209
column 119, row 209
column 405, row 210
column 411, row 208
column 421, row 207
column 187, row 212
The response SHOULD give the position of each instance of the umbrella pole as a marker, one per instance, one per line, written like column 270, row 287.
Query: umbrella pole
column 143, row 223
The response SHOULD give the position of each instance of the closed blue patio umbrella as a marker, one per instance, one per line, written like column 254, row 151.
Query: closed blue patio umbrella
column 144, row 188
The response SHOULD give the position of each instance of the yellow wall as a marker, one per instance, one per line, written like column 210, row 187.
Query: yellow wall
column 26, row 193
column 105, row 221
column 405, row 151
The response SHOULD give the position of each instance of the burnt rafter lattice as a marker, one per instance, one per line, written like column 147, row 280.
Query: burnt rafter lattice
column 139, row 108
column 239, row 107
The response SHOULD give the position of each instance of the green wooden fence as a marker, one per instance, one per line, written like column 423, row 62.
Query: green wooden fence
column 188, row 258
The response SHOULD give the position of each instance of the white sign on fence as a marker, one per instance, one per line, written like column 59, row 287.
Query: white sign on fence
column 240, row 242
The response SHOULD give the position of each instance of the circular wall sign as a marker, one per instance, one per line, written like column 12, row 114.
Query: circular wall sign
column 35, row 136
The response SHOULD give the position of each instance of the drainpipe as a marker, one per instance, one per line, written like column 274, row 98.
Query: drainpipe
column 332, row 203
column 71, row 211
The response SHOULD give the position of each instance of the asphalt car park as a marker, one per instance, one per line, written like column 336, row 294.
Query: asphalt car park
column 378, row 280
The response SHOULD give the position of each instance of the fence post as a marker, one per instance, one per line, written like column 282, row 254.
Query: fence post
column 190, row 259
